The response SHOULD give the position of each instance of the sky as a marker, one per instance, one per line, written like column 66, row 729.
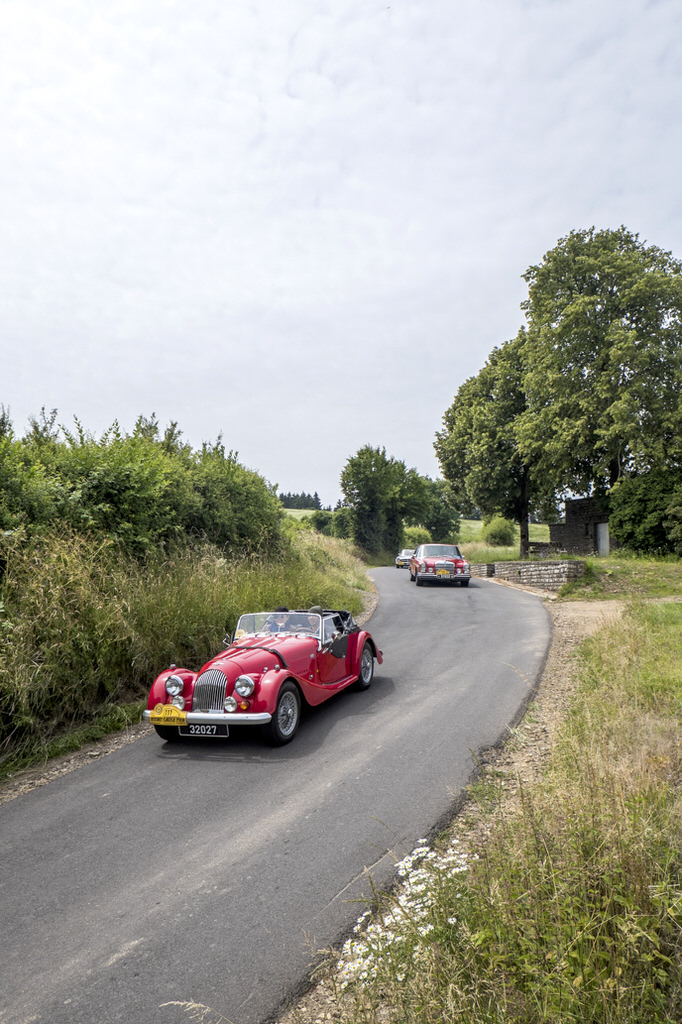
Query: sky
column 301, row 225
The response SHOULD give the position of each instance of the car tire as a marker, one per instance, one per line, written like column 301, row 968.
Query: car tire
column 464, row 583
column 364, row 680
column 287, row 716
column 418, row 581
column 168, row 733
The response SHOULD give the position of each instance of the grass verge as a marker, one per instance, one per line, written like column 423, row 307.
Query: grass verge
column 623, row 574
column 571, row 910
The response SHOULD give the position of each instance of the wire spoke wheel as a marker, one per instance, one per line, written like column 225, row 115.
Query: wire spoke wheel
column 287, row 716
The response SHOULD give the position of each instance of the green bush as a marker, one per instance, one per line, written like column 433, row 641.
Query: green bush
column 416, row 535
column 499, row 532
column 321, row 521
column 343, row 520
column 645, row 512
column 140, row 489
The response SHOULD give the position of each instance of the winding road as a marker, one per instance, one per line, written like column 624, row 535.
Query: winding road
column 213, row 871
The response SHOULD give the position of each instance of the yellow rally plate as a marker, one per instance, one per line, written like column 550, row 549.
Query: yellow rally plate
column 166, row 714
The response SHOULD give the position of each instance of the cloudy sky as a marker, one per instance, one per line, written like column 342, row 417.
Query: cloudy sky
column 302, row 224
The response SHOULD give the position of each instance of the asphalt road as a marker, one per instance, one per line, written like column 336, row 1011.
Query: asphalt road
column 212, row 871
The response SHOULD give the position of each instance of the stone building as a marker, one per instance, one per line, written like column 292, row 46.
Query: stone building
column 585, row 530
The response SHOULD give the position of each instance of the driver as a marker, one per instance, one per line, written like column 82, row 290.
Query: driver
column 278, row 622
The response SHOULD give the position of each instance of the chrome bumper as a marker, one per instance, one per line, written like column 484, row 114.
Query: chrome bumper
column 211, row 718
column 443, row 576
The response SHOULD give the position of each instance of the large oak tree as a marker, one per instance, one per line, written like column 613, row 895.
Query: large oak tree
column 603, row 377
column 590, row 391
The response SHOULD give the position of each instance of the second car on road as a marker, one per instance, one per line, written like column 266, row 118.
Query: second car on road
column 439, row 563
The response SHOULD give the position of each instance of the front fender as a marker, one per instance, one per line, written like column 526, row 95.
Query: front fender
column 270, row 684
column 158, row 695
column 367, row 638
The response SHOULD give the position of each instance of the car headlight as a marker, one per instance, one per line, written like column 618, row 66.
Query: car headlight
column 230, row 704
column 178, row 702
column 174, row 686
column 244, row 686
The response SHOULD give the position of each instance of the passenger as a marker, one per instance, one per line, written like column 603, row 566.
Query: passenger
column 314, row 619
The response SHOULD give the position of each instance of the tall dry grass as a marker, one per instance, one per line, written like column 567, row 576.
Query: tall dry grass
column 84, row 627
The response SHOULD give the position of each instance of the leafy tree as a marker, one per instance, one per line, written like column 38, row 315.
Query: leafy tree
column 588, row 394
column 603, row 375
column 478, row 448
column 5, row 422
column 381, row 492
column 438, row 515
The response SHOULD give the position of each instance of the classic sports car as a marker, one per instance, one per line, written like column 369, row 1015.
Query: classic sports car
column 402, row 560
column 277, row 662
column 439, row 563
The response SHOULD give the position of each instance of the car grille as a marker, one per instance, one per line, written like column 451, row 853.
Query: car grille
column 209, row 691
column 445, row 567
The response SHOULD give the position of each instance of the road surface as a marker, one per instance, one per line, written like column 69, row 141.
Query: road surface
column 213, row 871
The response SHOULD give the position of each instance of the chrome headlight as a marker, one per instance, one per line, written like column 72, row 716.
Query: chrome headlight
column 174, row 686
column 230, row 704
column 244, row 686
column 178, row 702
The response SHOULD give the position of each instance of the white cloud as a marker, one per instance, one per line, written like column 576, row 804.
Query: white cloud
column 309, row 218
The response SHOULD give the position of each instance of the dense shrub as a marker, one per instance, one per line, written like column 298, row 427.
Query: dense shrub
column 646, row 512
column 321, row 520
column 342, row 522
column 499, row 532
column 416, row 535
column 144, row 490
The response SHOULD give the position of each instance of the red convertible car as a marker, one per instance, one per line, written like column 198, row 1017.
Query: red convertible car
column 439, row 563
column 277, row 662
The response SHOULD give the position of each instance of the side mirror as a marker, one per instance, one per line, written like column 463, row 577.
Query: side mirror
column 227, row 639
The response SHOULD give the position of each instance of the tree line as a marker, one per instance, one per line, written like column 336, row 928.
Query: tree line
column 585, row 400
column 301, row 500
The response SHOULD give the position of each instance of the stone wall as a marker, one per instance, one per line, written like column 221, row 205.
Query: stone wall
column 541, row 575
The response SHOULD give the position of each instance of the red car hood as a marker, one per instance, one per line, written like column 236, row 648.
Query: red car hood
column 255, row 655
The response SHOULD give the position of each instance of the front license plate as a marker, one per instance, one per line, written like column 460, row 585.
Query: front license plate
column 443, row 572
column 167, row 714
column 204, row 730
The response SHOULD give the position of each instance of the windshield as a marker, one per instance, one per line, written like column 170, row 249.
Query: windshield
column 441, row 550
column 277, row 623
